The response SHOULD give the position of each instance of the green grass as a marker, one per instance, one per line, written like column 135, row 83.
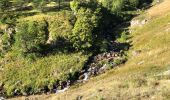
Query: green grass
column 32, row 76
column 136, row 79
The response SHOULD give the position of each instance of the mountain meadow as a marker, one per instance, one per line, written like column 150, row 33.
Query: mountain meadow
column 84, row 49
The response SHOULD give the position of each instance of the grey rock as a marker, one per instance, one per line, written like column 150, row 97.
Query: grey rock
column 2, row 98
column 138, row 22
column 63, row 90
column 86, row 76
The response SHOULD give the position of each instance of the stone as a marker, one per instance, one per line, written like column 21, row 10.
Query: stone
column 63, row 90
column 143, row 22
column 138, row 22
column 25, row 94
column 102, row 69
column 86, row 76
column 2, row 98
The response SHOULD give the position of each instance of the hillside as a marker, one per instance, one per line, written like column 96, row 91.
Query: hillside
column 144, row 76
column 84, row 49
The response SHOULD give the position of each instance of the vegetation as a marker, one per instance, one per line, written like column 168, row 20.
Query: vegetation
column 30, row 37
column 44, row 43
column 144, row 76
column 83, row 34
column 24, row 77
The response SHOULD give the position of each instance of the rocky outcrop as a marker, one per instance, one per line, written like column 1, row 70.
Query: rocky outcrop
column 100, row 64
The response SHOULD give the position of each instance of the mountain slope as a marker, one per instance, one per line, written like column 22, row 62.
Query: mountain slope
column 146, row 73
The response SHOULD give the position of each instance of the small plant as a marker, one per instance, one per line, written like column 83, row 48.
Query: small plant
column 124, row 37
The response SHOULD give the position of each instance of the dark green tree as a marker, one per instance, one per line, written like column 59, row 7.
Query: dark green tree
column 88, row 17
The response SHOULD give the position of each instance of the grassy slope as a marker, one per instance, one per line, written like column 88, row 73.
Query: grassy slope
column 136, row 79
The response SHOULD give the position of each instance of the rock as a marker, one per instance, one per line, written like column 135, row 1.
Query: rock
column 138, row 22
column 102, row 69
column 68, row 83
column 63, row 90
column 108, row 55
column 2, row 98
column 86, row 76
column 143, row 22
column 17, row 92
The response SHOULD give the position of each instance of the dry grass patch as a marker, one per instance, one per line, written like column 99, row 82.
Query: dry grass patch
column 160, row 9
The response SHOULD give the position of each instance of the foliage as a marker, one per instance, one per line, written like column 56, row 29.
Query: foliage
column 88, row 18
column 88, row 28
column 31, row 77
column 30, row 36
column 59, row 28
column 115, row 6
column 124, row 37
column 60, row 25
column 4, row 4
column 5, row 44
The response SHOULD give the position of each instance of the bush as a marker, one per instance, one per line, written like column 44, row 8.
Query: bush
column 6, row 42
column 116, row 6
column 30, row 36
column 113, row 5
column 88, row 17
column 60, row 25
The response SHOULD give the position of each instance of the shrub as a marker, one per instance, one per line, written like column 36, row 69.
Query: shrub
column 113, row 5
column 83, row 33
column 5, row 43
column 30, row 36
column 116, row 6
column 123, row 37
column 60, row 25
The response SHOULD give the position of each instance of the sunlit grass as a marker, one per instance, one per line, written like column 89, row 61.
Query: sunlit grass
column 137, row 78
